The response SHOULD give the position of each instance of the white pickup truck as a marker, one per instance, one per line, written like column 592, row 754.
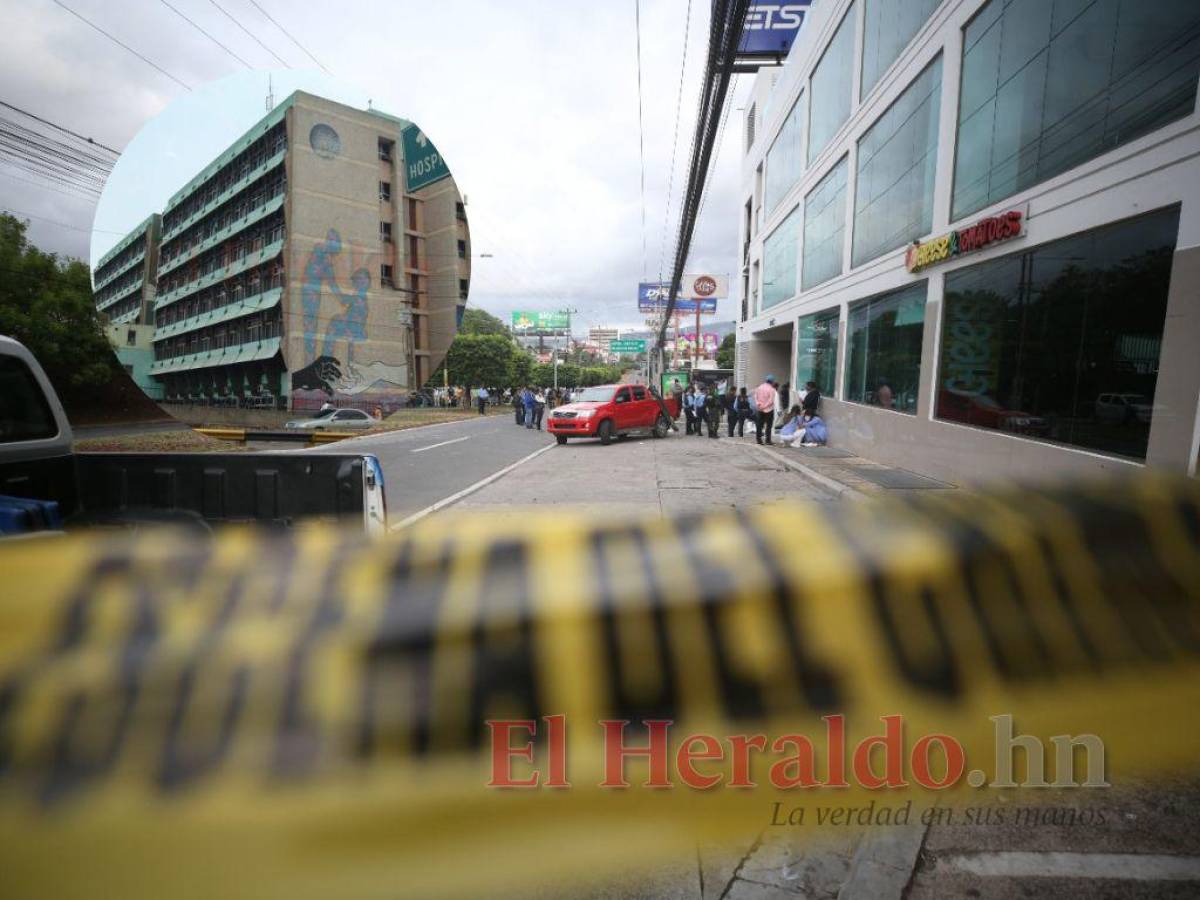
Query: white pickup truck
column 45, row 485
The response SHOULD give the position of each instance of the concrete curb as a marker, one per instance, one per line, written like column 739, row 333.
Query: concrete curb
column 883, row 863
column 842, row 490
column 471, row 489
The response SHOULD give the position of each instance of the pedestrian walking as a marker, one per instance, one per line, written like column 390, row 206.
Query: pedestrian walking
column 528, row 402
column 729, row 407
column 481, row 398
column 539, row 408
column 764, row 409
column 714, row 404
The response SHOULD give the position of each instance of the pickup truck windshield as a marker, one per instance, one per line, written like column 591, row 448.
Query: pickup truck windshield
column 593, row 395
column 24, row 413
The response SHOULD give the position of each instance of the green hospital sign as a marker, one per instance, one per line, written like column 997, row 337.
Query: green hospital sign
column 423, row 165
column 627, row 346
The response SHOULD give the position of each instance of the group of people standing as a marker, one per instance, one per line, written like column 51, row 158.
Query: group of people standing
column 774, row 409
column 529, row 405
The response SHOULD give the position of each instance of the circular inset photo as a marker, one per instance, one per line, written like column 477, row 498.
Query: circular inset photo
column 274, row 242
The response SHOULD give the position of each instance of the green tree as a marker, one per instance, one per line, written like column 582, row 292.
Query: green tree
column 46, row 304
column 520, row 369
column 480, row 360
column 725, row 353
column 476, row 321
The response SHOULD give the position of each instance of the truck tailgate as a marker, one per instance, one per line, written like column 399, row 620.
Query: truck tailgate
column 225, row 487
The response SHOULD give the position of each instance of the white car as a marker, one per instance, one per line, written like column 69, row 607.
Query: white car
column 1118, row 408
column 335, row 420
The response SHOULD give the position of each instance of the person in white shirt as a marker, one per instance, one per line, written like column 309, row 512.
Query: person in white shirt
column 539, row 407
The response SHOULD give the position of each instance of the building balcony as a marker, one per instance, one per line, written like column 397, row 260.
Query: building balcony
column 255, row 303
column 233, row 190
column 263, row 209
column 119, row 295
column 118, row 271
column 211, row 359
column 125, row 318
column 249, row 261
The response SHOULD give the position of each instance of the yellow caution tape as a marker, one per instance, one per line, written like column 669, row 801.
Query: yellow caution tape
column 306, row 714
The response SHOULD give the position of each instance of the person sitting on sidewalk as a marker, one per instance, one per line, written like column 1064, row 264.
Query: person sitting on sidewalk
column 790, row 423
column 810, row 432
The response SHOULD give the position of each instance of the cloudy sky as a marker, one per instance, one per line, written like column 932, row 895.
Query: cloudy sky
column 533, row 103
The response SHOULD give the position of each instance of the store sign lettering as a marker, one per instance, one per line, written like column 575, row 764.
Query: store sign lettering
column 989, row 231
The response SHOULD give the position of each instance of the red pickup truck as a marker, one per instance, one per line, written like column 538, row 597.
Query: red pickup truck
column 613, row 410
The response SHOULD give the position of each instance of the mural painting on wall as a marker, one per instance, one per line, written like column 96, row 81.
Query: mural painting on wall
column 340, row 363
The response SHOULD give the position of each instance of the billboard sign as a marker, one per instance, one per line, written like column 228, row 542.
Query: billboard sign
column 686, row 342
column 700, row 285
column 652, row 297
column 771, row 26
column 526, row 320
column 423, row 165
column 627, row 346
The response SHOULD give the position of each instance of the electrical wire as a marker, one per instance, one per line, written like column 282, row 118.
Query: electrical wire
column 205, row 33
column 250, row 34
column 17, row 212
column 637, row 13
column 254, row 3
column 91, row 142
column 120, row 43
column 687, row 40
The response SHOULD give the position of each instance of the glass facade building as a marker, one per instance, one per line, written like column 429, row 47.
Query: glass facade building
column 785, row 160
column 1005, row 226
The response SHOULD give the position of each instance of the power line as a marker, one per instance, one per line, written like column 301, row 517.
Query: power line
column 46, row 187
column 687, row 40
column 97, row 162
column 205, row 33
column 120, row 43
column 637, row 13
column 18, row 212
column 87, row 140
column 288, row 35
column 250, row 34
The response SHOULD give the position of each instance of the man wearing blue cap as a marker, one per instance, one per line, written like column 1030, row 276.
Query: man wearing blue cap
column 764, row 409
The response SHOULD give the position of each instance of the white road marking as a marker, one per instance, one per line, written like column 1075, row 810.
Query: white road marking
column 1123, row 866
column 482, row 483
column 442, row 444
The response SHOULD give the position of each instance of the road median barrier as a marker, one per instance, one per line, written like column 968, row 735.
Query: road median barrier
column 295, row 436
column 452, row 710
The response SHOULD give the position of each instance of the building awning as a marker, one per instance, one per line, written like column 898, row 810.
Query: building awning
column 242, row 353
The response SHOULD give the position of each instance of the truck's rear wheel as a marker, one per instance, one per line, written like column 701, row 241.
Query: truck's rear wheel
column 561, row 438
column 605, row 431
column 661, row 427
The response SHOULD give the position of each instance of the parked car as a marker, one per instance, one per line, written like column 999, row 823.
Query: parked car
column 335, row 420
column 1119, row 408
column 45, row 486
column 982, row 410
column 612, row 410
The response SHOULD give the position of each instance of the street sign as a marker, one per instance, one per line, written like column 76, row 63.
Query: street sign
column 702, row 285
column 526, row 320
column 627, row 346
column 771, row 27
column 423, row 165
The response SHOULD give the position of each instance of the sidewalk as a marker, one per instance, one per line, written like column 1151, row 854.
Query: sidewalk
column 847, row 474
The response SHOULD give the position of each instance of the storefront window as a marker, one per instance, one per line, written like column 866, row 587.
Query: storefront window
column 824, row 225
column 816, row 351
column 830, row 87
column 779, row 261
column 884, row 365
column 784, row 162
column 897, row 159
column 890, row 25
column 1061, row 343
column 1049, row 84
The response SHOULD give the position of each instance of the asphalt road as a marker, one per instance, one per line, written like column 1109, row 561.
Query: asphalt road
column 424, row 465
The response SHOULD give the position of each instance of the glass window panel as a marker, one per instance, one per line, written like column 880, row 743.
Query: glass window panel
column 784, row 162
column 1068, row 80
column 897, row 158
column 1061, row 343
column 889, row 26
column 824, row 225
column 883, row 366
column 830, row 87
column 779, row 261
column 816, row 351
